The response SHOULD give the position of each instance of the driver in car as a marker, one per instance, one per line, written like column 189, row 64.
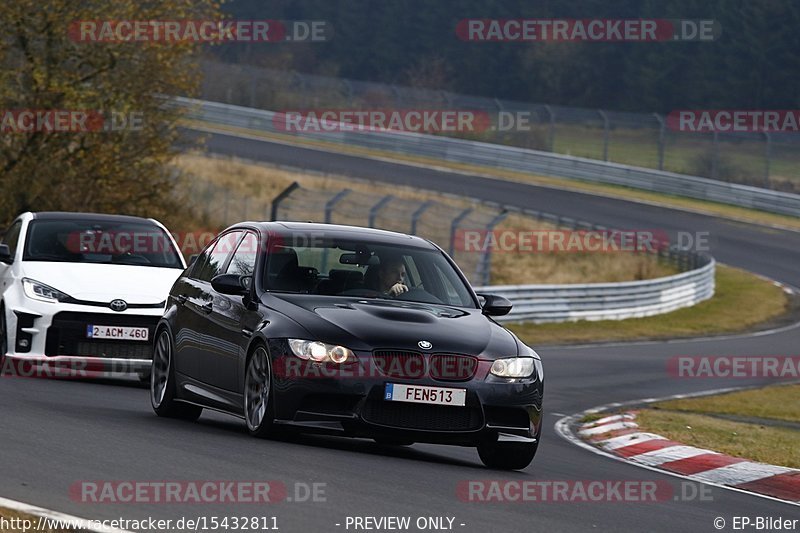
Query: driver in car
column 391, row 274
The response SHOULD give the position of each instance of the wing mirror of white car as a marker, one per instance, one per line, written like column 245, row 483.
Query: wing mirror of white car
column 5, row 254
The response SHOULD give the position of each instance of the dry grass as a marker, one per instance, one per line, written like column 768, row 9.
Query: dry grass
column 766, row 444
column 263, row 183
column 780, row 402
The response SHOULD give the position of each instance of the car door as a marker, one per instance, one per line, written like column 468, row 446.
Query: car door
column 195, row 338
column 228, row 320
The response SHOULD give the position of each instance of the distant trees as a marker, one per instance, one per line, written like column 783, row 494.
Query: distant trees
column 754, row 63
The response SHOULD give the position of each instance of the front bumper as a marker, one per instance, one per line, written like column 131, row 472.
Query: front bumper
column 352, row 403
column 49, row 339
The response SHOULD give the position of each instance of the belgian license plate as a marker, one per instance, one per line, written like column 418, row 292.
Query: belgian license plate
column 397, row 392
column 125, row 333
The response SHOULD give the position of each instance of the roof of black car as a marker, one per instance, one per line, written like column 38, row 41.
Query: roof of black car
column 343, row 232
column 67, row 215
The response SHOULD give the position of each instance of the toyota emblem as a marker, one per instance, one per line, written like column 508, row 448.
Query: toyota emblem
column 425, row 345
column 118, row 305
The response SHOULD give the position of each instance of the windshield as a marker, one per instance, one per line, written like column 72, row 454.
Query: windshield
column 100, row 241
column 365, row 270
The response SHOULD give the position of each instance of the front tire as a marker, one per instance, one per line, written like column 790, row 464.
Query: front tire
column 507, row 455
column 258, row 408
column 162, row 383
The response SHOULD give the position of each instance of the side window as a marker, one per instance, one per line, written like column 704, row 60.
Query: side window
column 243, row 262
column 11, row 237
column 212, row 260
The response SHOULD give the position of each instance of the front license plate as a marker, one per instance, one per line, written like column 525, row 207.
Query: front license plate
column 125, row 333
column 397, row 392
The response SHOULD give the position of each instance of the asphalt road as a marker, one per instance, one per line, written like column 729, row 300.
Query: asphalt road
column 57, row 433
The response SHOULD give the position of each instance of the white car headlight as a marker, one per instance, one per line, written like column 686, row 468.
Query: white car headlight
column 513, row 367
column 320, row 352
column 36, row 290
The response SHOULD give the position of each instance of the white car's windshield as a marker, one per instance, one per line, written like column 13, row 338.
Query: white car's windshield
column 100, row 241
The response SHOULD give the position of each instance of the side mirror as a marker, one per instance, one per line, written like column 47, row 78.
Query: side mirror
column 5, row 254
column 495, row 305
column 232, row 284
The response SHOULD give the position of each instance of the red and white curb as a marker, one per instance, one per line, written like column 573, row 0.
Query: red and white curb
column 618, row 436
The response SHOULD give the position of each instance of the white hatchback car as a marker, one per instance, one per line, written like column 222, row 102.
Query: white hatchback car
column 83, row 292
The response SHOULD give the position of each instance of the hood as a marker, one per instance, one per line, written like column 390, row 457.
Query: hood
column 103, row 283
column 367, row 324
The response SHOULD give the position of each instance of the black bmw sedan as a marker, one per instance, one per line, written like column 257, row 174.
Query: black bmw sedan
column 350, row 331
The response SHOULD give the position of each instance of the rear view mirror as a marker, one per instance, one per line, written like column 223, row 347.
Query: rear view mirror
column 355, row 259
column 5, row 254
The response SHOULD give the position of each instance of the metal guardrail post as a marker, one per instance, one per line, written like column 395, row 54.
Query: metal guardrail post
column 454, row 228
column 280, row 198
column 373, row 211
column 418, row 213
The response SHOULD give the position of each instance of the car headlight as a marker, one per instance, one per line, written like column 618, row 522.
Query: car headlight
column 36, row 290
column 320, row 352
column 513, row 367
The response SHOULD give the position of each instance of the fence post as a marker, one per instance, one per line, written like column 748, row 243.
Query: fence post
column 661, row 138
column 418, row 213
column 551, row 133
column 484, row 267
column 606, row 126
column 454, row 228
column 767, row 159
column 715, row 156
column 373, row 211
column 280, row 198
column 332, row 203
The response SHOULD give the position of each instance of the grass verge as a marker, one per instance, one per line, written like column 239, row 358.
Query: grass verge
column 614, row 191
column 780, row 402
column 693, row 422
column 742, row 301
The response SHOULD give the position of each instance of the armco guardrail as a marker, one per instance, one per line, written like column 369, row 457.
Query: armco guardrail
column 607, row 301
column 508, row 158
